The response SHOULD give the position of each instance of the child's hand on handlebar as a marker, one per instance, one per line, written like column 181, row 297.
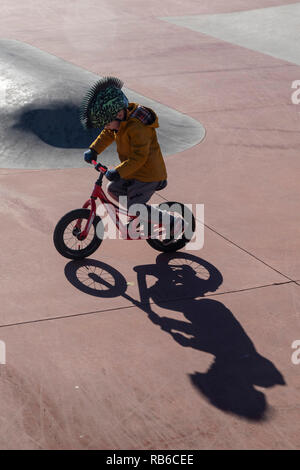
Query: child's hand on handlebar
column 90, row 155
column 112, row 175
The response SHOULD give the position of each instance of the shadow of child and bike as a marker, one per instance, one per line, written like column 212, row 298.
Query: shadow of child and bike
column 207, row 325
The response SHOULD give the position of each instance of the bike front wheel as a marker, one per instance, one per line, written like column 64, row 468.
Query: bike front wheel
column 66, row 235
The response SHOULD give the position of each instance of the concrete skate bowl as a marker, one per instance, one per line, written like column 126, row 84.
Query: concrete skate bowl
column 40, row 97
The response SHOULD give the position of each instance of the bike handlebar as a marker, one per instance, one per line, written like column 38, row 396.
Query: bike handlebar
column 98, row 167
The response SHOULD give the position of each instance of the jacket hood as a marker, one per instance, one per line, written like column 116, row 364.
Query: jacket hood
column 146, row 115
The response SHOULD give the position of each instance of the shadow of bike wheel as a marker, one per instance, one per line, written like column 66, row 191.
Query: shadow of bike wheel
column 95, row 278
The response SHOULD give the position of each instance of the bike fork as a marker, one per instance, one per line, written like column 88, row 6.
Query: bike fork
column 81, row 235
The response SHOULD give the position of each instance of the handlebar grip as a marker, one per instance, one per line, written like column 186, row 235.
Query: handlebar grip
column 99, row 167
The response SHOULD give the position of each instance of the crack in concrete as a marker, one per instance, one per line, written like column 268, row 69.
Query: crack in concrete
column 255, row 67
column 178, row 299
column 240, row 248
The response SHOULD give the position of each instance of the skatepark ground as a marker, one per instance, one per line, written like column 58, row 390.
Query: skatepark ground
column 130, row 348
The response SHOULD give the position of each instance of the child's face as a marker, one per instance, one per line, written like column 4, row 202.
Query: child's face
column 114, row 125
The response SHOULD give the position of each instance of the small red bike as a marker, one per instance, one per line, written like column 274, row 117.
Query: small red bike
column 80, row 232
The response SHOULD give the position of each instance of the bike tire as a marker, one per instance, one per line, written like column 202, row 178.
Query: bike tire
column 59, row 231
column 181, row 242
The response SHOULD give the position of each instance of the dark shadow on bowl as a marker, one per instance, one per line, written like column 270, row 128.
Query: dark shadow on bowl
column 57, row 125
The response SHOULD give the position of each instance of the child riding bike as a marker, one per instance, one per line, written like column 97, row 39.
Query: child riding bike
column 142, row 170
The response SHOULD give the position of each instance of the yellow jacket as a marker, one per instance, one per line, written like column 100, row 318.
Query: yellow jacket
column 137, row 146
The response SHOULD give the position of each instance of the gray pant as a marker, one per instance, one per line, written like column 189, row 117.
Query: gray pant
column 137, row 192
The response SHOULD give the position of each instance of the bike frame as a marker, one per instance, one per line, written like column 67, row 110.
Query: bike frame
column 113, row 210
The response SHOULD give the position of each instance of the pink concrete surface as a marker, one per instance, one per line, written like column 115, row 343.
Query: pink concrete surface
column 30, row 208
column 116, row 380
column 87, row 371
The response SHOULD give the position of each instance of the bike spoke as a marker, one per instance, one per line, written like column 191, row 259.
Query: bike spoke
column 72, row 242
column 88, row 277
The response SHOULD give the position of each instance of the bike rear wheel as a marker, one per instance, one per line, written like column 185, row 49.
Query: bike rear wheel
column 177, row 209
column 65, row 236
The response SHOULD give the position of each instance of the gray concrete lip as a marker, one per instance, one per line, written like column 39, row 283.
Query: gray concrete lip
column 40, row 96
column 272, row 30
